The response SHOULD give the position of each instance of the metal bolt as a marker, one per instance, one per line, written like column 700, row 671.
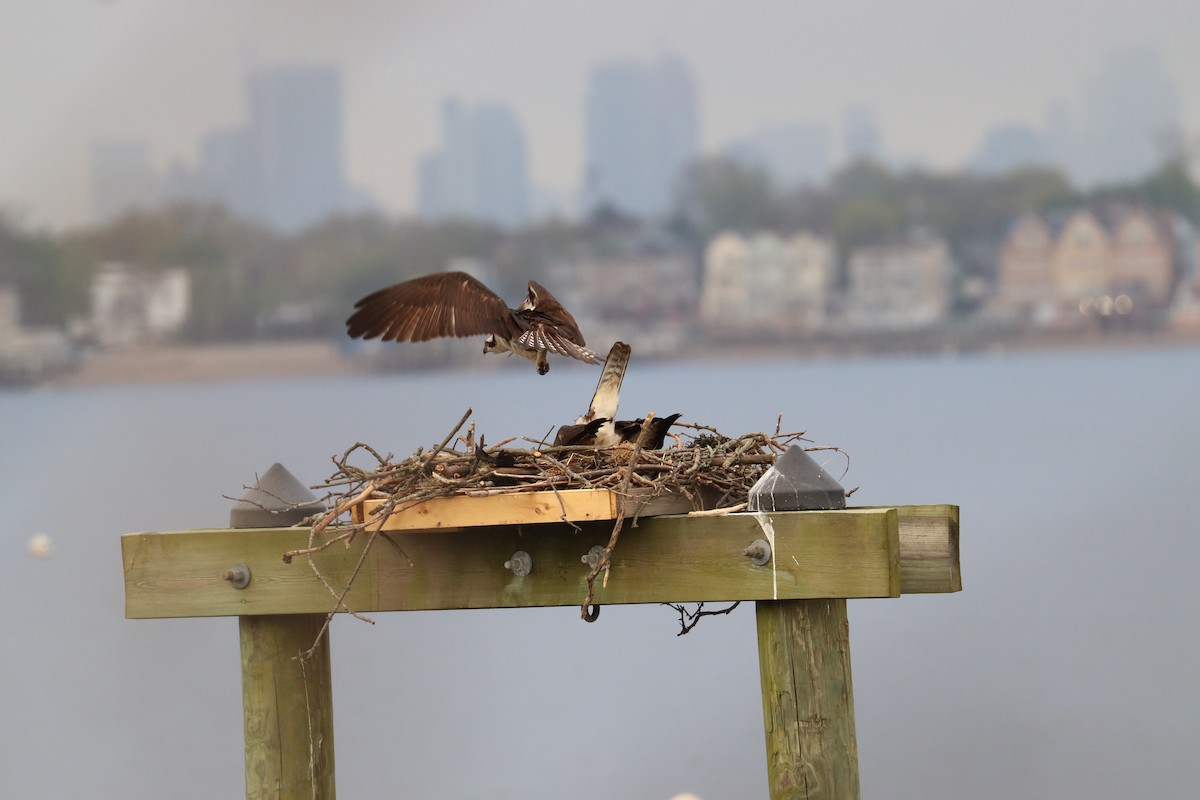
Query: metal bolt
column 238, row 575
column 759, row 552
column 593, row 556
column 521, row 564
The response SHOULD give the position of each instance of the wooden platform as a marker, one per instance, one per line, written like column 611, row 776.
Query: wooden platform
column 819, row 558
column 519, row 508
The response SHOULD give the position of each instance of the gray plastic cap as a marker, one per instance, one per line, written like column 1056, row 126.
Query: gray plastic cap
column 276, row 500
column 796, row 483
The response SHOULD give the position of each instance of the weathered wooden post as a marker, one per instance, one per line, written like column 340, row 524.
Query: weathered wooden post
column 808, row 698
column 804, row 657
column 287, row 685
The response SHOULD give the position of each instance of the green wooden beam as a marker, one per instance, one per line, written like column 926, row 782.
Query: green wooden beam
column 847, row 553
column 929, row 549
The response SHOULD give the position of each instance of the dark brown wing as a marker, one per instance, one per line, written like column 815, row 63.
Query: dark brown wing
column 442, row 304
column 569, row 435
column 548, row 326
column 630, row 429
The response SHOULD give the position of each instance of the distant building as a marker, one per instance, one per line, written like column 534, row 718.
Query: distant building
column 639, row 287
column 231, row 173
column 646, row 286
column 899, row 285
column 28, row 355
column 766, row 286
column 1130, row 116
column 132, row 307
column 643, row 127
column 1006, row 148
column 123, row 178
column 1142, row 258
column 1080, row 261
column 1185, row 305
column 1025, row 274
column 861, row 138
column 480, row 171
column 791, row 154
column 1060, row 142
column 296, row 135
column 1051, row 271
column 285, row 167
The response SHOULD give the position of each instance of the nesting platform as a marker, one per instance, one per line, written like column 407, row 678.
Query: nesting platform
column 818, row 560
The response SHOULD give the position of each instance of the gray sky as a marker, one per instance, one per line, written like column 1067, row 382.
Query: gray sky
column 937, row 73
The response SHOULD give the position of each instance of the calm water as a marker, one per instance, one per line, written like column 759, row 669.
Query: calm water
column 1067, row 667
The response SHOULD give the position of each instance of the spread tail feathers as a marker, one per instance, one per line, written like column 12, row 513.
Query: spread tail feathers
column 608, row 388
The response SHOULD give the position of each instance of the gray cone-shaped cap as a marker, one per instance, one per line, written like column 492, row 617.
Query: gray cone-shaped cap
column 276, row 500
column 796, row 483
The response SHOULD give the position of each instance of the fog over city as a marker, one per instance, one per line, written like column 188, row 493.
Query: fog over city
column 956, row 244
column 939, row 80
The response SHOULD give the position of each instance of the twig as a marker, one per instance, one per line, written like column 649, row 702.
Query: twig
column 341, row 600
column 687, row 620
column 606, row 557
column 449, row 436
column 718, row 512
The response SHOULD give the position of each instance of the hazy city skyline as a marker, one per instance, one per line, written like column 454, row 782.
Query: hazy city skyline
column 936, row 79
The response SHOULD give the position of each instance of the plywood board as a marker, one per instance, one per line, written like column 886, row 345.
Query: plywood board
column 517, row 508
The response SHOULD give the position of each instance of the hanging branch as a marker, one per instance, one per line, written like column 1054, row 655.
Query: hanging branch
column 605, row 559
column 689, row 619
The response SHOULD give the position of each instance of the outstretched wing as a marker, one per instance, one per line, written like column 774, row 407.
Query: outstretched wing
column 442, row 304
column 546, row 325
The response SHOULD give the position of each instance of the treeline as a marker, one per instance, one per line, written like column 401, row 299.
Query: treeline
column 240, row 271
column 865, row 203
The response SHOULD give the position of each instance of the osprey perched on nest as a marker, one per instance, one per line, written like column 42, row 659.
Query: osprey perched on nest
column 456, row 304
column 599, row 426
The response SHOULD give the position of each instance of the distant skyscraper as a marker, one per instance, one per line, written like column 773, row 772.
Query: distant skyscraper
column 123, row 178
column 501, row 173
column 481, row 171
column 431, row 199
column 791, row 154
column 230, row 173
column 1060, row 141
column 296, row 133
column 1130, row 113
column 861, row 139
column 643, row 127
column 1007, row 147
column 284, row 167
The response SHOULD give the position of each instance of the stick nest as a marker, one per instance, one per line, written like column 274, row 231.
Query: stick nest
column 713, row 470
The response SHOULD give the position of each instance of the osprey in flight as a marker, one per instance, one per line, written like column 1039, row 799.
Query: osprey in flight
column 456, row 304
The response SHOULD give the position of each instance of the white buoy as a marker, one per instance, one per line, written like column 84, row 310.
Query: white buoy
column 39, row 546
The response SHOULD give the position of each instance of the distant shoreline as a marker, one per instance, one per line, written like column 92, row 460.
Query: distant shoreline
column 166, row 364
column 256, row 361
